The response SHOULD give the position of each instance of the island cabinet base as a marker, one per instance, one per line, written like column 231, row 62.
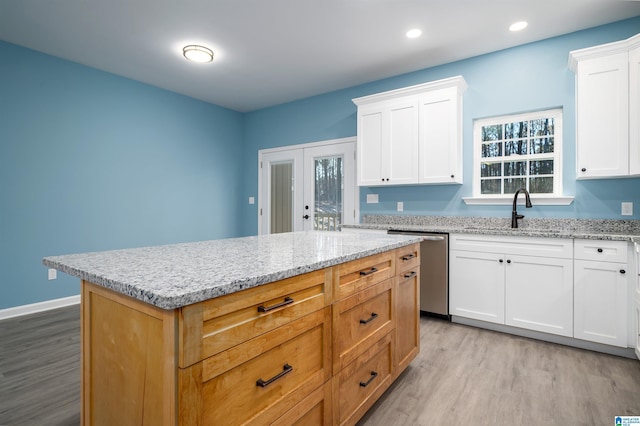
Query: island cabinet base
column 316, row 349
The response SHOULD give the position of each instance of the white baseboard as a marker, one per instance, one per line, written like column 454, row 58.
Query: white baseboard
column 38, row 307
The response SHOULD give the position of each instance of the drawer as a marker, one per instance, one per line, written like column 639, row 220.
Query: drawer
column 354, row 276
column 212, row 326
column 359, row 321
column 357, row 387
column 525, row 246
column 316, row 409
column 260, row 380
column 601, row 250
column 408, row 258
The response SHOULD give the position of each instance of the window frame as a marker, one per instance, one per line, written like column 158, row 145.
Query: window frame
column 556, row 196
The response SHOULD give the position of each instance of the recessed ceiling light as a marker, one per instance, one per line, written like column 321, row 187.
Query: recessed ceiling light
column 196, row 53
column 414, row 33
column 520, row 25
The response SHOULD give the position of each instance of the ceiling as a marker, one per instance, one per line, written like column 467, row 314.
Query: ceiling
column 269, row 52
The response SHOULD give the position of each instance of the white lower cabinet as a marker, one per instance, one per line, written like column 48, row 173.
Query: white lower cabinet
column 508, row 280
column 476, row 288
column 539, row 294
column 601, row 292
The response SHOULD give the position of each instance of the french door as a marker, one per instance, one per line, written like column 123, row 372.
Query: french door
column 307, row 187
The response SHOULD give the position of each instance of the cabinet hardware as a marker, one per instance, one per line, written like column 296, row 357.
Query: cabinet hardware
column 369, row 272
column 410, row 274
column 264, row 383
column 373, row 376
column 452, row 176
column 306, row 216
column 408, row 257
column 508, row 260
column 287, row 301
column 583, row 169
column 500, row 260
column 599, row 250
column 622, row 271
column 371, row 318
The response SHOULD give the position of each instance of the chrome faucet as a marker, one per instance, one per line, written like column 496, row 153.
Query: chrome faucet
column 514, row 213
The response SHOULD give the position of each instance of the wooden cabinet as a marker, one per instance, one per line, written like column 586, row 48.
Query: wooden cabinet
column 315, row 349
column 607, row 97
column 601, row 282
column 407, row 305
column 521, row 282
column 411, row 135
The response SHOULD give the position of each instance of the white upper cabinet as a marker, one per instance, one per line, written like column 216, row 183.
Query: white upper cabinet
column 441, row 136
column 607, row 116
column 411, row 135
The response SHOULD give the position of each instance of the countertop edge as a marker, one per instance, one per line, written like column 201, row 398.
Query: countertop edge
column 200, row 295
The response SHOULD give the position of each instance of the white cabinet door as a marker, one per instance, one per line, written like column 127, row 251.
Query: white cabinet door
column 601, row 302
column 539, row 294
column 388, row 144
column 369, row 146
column 440, row 146
column 602, row 96
column 476, row 285
column 400, row 159
column 634, row 111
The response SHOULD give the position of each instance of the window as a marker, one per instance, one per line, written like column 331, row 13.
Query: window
column 518, row 151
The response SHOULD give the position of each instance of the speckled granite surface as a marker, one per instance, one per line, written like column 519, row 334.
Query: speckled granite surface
column 177, row 275
column 621, row 230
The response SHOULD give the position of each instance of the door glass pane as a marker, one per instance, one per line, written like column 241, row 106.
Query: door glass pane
column 281, row 197
column 329, row 193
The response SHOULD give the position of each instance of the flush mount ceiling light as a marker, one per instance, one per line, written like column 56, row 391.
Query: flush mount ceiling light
column 520, row 25
column 196, row 53
column 414, row 33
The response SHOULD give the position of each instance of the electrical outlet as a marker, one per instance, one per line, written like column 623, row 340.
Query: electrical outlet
column 400, row 206
column 372, row 198
column 52, row 274
column 252, row 200
column 627, row 209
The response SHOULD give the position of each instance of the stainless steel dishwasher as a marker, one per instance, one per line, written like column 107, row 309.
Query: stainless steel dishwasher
column 434, row 272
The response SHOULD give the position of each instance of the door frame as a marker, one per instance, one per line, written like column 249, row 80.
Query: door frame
column 263, row 204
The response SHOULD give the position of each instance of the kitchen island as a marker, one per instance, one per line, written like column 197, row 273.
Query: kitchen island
column 297, row 328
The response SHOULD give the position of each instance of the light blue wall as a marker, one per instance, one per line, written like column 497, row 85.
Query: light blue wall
column 91, row 161
column 525, row 78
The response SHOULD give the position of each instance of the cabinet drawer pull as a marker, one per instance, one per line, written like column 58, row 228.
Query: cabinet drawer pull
column 408, row 257
column 599, row 250
column 369, row 272
column 287, row 301
column 371, row 318
column 286, row 369
column 622, row 271
column 410, row 274
column 373, row 376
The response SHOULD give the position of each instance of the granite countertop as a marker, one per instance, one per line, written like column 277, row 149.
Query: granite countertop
column 177, row 275
column 599, row 229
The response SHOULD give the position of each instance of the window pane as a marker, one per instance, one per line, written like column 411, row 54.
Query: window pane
column 516, row 130
column 542, row 146
column 490, row 169
column 490, row 186
column 492, row 133
column 515, row 147
column 542, row 127
column 328, row 193
column 541, row 167
column 492, row 150
column 515, row 168
column 541, row 185
column 513, row 184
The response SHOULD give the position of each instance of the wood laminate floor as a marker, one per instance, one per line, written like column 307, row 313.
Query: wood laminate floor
column 463, row 375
